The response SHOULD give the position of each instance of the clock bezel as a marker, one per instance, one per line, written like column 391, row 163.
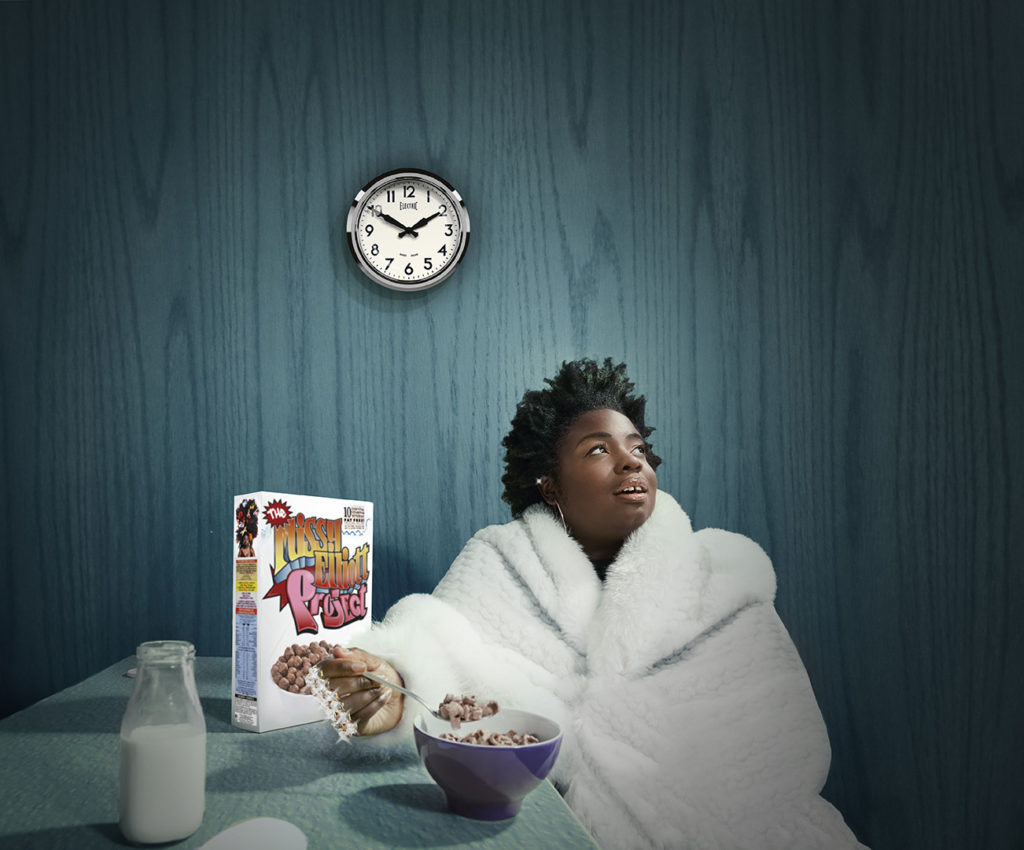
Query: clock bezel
column 356, row 211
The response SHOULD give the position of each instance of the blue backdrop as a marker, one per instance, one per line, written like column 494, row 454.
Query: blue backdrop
column 801, row 225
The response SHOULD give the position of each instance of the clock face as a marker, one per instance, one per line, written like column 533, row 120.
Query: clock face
column 408, row 229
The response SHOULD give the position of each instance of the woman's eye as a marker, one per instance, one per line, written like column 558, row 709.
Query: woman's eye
column 641, row 450
column 596, row 449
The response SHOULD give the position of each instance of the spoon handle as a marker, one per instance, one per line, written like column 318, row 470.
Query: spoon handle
column 380, row 679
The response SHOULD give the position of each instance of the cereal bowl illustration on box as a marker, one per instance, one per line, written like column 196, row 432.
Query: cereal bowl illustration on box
column 302, row 585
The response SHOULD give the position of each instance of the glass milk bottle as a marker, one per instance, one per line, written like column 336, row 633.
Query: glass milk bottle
column 163, row 747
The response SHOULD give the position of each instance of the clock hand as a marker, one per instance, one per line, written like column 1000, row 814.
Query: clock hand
column 422, row 221
column 405, row 230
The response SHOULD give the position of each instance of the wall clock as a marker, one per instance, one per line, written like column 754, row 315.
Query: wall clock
column 408, row 229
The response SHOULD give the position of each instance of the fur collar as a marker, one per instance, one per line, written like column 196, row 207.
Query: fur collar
column 667, row 587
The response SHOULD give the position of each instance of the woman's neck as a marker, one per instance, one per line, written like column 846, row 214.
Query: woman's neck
column 601, row 566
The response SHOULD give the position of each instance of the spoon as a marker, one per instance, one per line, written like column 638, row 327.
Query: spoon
column 381, row 680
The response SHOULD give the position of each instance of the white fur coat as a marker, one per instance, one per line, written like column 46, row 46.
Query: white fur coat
column 689, row 721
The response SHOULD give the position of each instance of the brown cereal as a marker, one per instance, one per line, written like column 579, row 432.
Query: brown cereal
column 465, row 708
column 290, row 671
column 511, row 738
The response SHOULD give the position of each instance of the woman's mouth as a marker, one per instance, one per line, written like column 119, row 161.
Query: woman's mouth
column 632, row 492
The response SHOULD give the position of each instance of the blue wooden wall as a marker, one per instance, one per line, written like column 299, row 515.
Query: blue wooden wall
column 801, row 224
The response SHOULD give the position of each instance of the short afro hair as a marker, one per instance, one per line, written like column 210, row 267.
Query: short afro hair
column 544, row 416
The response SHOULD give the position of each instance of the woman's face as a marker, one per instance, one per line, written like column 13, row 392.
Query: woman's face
column 604, row 486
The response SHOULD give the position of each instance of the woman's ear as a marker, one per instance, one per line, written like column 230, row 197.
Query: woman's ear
column 548, row 490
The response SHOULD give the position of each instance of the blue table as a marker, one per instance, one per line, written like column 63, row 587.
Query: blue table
column 59, row 762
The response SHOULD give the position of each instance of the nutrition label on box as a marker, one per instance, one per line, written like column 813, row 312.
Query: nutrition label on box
column 246, row 649
column 245, row 655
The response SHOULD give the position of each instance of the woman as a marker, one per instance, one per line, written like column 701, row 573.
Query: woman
column 688, row 718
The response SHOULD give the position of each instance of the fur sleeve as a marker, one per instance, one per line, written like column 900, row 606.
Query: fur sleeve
column 480, row 632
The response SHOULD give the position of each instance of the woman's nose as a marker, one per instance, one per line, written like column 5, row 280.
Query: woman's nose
column 627, row 460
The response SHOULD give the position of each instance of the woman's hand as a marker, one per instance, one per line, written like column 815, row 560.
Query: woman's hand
column 375, row 708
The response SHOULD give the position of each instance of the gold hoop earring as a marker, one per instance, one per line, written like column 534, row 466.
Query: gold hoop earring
column 558, row 507
column 561, row 516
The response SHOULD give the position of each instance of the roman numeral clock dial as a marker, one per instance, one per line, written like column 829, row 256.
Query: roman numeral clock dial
column 408, row 229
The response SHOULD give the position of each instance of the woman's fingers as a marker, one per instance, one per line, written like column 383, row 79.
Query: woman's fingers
column 374, row 707
column 346, row 685
column 375, row 700
column 344, row 675
column 346, row 662
column 381, row 714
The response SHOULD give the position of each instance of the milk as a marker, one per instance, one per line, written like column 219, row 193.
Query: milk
column 163, row 782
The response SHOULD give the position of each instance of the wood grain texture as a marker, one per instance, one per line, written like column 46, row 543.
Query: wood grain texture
column 800, row 224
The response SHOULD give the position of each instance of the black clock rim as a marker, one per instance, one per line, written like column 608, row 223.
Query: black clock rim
column 394, row 172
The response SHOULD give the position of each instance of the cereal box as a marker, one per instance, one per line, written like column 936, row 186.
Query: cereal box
column 302, row 567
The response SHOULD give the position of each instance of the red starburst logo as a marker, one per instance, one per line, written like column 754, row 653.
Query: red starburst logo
column 276, row 513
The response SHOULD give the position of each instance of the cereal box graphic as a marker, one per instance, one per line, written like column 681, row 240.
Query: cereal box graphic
column 302, row 585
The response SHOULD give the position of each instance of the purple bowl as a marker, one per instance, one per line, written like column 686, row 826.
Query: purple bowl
column 488, row 783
